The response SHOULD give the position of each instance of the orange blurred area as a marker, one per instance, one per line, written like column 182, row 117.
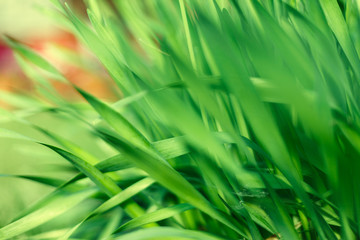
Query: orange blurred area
column 11, row 77
column 61, row 49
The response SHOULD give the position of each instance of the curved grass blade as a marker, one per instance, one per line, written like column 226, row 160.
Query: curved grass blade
column 117, row 121
column 59, row 204
column 35, row 58
column 54, row 182
column 155, row 216
column 105, row 183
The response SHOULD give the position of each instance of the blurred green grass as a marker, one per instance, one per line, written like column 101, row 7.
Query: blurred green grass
column 244, row 113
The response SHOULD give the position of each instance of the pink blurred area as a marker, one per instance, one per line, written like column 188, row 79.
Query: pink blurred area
column 11, row 77
column 43, row 36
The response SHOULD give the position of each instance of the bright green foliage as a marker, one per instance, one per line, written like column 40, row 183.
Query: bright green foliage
column 239, row 120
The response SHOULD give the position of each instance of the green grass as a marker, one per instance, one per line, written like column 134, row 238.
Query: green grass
column 239, row 120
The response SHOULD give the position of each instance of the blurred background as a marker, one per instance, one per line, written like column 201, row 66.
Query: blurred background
column 29, row 22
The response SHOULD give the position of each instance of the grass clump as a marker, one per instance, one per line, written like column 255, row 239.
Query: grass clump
column 239, row 120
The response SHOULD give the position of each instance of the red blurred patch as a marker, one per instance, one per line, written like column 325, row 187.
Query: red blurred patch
column 93, row 81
